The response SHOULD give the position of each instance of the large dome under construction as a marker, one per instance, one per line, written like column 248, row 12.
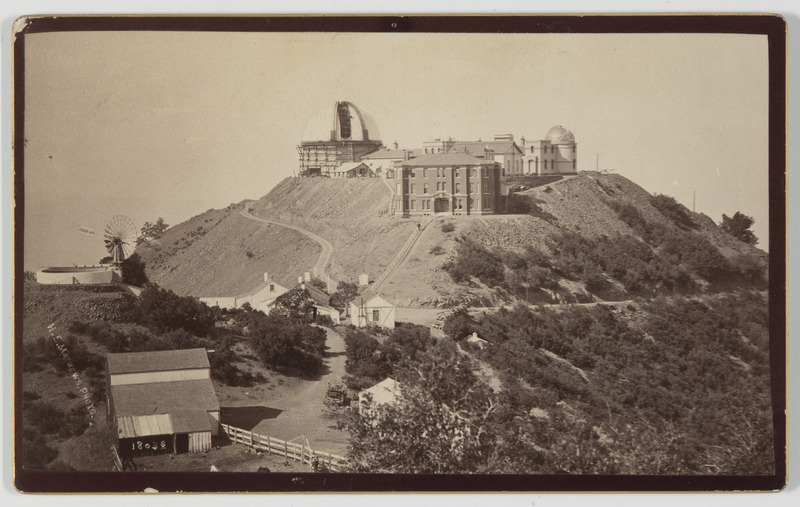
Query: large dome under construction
column 342, row 122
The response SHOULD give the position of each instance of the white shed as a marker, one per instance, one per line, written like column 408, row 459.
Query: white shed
column 369, row 309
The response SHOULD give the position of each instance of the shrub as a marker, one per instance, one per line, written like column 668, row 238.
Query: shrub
column 133, row 270
column 448, row 227
column 474, row 260
column 675, row 212
column 436, row 250
column 458, row 325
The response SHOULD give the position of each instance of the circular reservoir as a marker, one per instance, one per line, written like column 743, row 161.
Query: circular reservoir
column 77, row 275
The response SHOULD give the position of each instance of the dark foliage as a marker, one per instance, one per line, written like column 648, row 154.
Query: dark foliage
column 474, row 260
column 674, row 211
column 738, row 226
column 366, row 364
column 36, row 453
column 133, row 271
column 345, row 292
column 287, row 344
column 296, row 304
column 162, row 310
column 448, row 227
column 458, row 325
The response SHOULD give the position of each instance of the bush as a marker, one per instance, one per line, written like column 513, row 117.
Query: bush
column 36, row 453
column 474, row 260
column 162, row 311
column 675, row 212
column 448, row 227
column 458, row 325
column 436, row 250
column 133, row 271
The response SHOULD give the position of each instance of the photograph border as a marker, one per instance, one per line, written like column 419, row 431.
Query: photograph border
column 774, row 27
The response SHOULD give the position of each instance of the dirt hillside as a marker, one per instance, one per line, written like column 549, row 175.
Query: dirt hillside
column 222, row 253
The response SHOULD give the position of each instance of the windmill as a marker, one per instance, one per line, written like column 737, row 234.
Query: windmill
column 119, row 237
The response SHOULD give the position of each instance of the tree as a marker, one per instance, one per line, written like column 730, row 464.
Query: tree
column 133, row 271
column 458, row 325
column 296, row 304
column 439, row 423
column 345, row 292
column 739, row 227
column 152, row 231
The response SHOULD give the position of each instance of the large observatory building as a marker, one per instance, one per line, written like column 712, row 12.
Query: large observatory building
column 335, row 136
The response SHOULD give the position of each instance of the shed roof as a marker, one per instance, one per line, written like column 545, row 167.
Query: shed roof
column 186, row 401
column 385, row 391
column 144, row 425
column 160, row 360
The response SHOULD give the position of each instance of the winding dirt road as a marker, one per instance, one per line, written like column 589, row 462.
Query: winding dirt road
column 320, row 267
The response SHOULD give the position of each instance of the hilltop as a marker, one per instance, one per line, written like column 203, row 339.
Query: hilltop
column 221, row 252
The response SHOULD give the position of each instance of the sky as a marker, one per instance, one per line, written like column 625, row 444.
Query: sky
column 168, row 124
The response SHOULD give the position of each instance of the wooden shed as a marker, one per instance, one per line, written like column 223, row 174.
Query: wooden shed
column 162, row 401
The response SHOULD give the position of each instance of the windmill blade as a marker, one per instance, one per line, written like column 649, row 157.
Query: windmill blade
column 87, row 231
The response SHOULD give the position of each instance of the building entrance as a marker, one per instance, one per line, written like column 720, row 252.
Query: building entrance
column 441, row 205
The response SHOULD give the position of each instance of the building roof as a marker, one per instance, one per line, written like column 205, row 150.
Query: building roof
column 349, row 166
column 385, row 154
column 478, row 147
column 160, row 360
column 559, row 135
column 263, row 286
column 318, row 296
column 132, row 426
column 186, row 401
column 343, row 121
column 383, row 392
column 445, row 159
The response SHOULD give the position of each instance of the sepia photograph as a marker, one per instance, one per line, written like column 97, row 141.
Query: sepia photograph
column 399, row 253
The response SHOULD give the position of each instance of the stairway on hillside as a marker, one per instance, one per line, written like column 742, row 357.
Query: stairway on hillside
column 401, row 255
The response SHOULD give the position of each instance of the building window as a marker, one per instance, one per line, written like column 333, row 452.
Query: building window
column 412, row 188
column 574, row 164
column 457, row 173
column 272, row 287
column 412, row 204
column 460, row 204
column 438, row 172
column 425, row 173
column 474, row 171
column 458, row 187
column 376, row 315
column 471, row 187
column 472, row 203
column 425, row 188
column 486, row 203
column 397, row 188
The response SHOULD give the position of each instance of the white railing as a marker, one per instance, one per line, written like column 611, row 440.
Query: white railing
column 301, row 452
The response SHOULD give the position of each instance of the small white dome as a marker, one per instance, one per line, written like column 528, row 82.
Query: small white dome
column 342, row 122
column 559, row 135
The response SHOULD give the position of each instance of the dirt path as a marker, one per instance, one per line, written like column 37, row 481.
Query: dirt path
column 297, row 408
column 319, row 269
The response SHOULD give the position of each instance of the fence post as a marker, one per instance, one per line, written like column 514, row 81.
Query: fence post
column 269, row 445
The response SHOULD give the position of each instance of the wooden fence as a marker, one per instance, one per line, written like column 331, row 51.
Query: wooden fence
column 301, row 452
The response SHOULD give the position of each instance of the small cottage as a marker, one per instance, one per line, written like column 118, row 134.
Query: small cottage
column 370, row 309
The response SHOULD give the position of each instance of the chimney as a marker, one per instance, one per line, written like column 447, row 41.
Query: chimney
column 300, row 279
column 522, row 140
column 306, row 276
column 395, row 145
column 363, row 279
column 266, row 276
column 405, row 155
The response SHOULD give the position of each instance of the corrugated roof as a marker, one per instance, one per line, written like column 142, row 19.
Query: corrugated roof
column 161, row 360
column 444, row 159
column 184, row 400
column 144, row 425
